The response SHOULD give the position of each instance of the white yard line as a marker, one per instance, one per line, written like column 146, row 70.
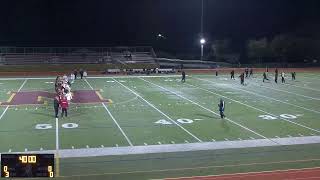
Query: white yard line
column 159, row 111
column 255, row 108
column 250, row 92
column 57, row 135
column 244, row 127
column 114, row 120
column 287, row 92
column 24, row 82
column 5, row 110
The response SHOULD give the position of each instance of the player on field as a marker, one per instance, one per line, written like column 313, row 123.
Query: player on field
column 56, row 105
column 247, row 72
column 276, row 75
column 283, row 80
column 183, row 79
column 232, row 74
column 293, row 74
column 251, row 72
column 265, row 76
column 221, row 106
column 242, row 78
column 64, row 106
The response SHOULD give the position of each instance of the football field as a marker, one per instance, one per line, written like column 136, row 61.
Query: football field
column 155, row 114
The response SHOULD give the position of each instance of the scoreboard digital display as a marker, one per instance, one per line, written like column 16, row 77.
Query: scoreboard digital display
column 27, row 165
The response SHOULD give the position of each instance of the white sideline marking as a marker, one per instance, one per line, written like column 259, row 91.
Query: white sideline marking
column 253, row 106
column 288, row 92
column 91, row 77
column 159, row 111
column 207, row 109
column 94, row 152
column 114, row 120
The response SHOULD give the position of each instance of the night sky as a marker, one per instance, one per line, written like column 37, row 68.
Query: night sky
column 137, row 22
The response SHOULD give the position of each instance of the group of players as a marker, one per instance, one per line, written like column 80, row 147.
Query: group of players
column 247, row 73
column 63, row 92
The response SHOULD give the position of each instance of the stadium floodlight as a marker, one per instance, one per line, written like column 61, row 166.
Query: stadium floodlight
column 202, row 41
column 161, row 36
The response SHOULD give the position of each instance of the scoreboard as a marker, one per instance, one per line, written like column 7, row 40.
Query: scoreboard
column 27, row 165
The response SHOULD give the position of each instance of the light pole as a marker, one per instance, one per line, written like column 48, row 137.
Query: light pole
column 202, row 42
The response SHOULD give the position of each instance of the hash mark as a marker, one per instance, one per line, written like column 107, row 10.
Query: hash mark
column 9, row 150
column 172, row 142
column 41, row 149
column 87, row 146
column 213, row 140
column 102, row 146
column 240, row 139
column 226, row 139
column 159, row 142
column 277, row 136
column 25, row 150
column 186, row 141
column 145, row 144
column 72, row 147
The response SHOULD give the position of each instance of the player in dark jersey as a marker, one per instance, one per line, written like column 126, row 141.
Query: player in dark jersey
column 293, row 74
column 276, row 75
column 221, row 106
column 265, row 76
column 232, row 74
column 251, row 72
column 183, row 78
column 242, row 78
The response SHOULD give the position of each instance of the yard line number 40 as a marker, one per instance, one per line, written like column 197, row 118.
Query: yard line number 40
column 286, row 116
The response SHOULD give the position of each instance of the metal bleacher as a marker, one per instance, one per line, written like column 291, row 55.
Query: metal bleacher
column 76, row 55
